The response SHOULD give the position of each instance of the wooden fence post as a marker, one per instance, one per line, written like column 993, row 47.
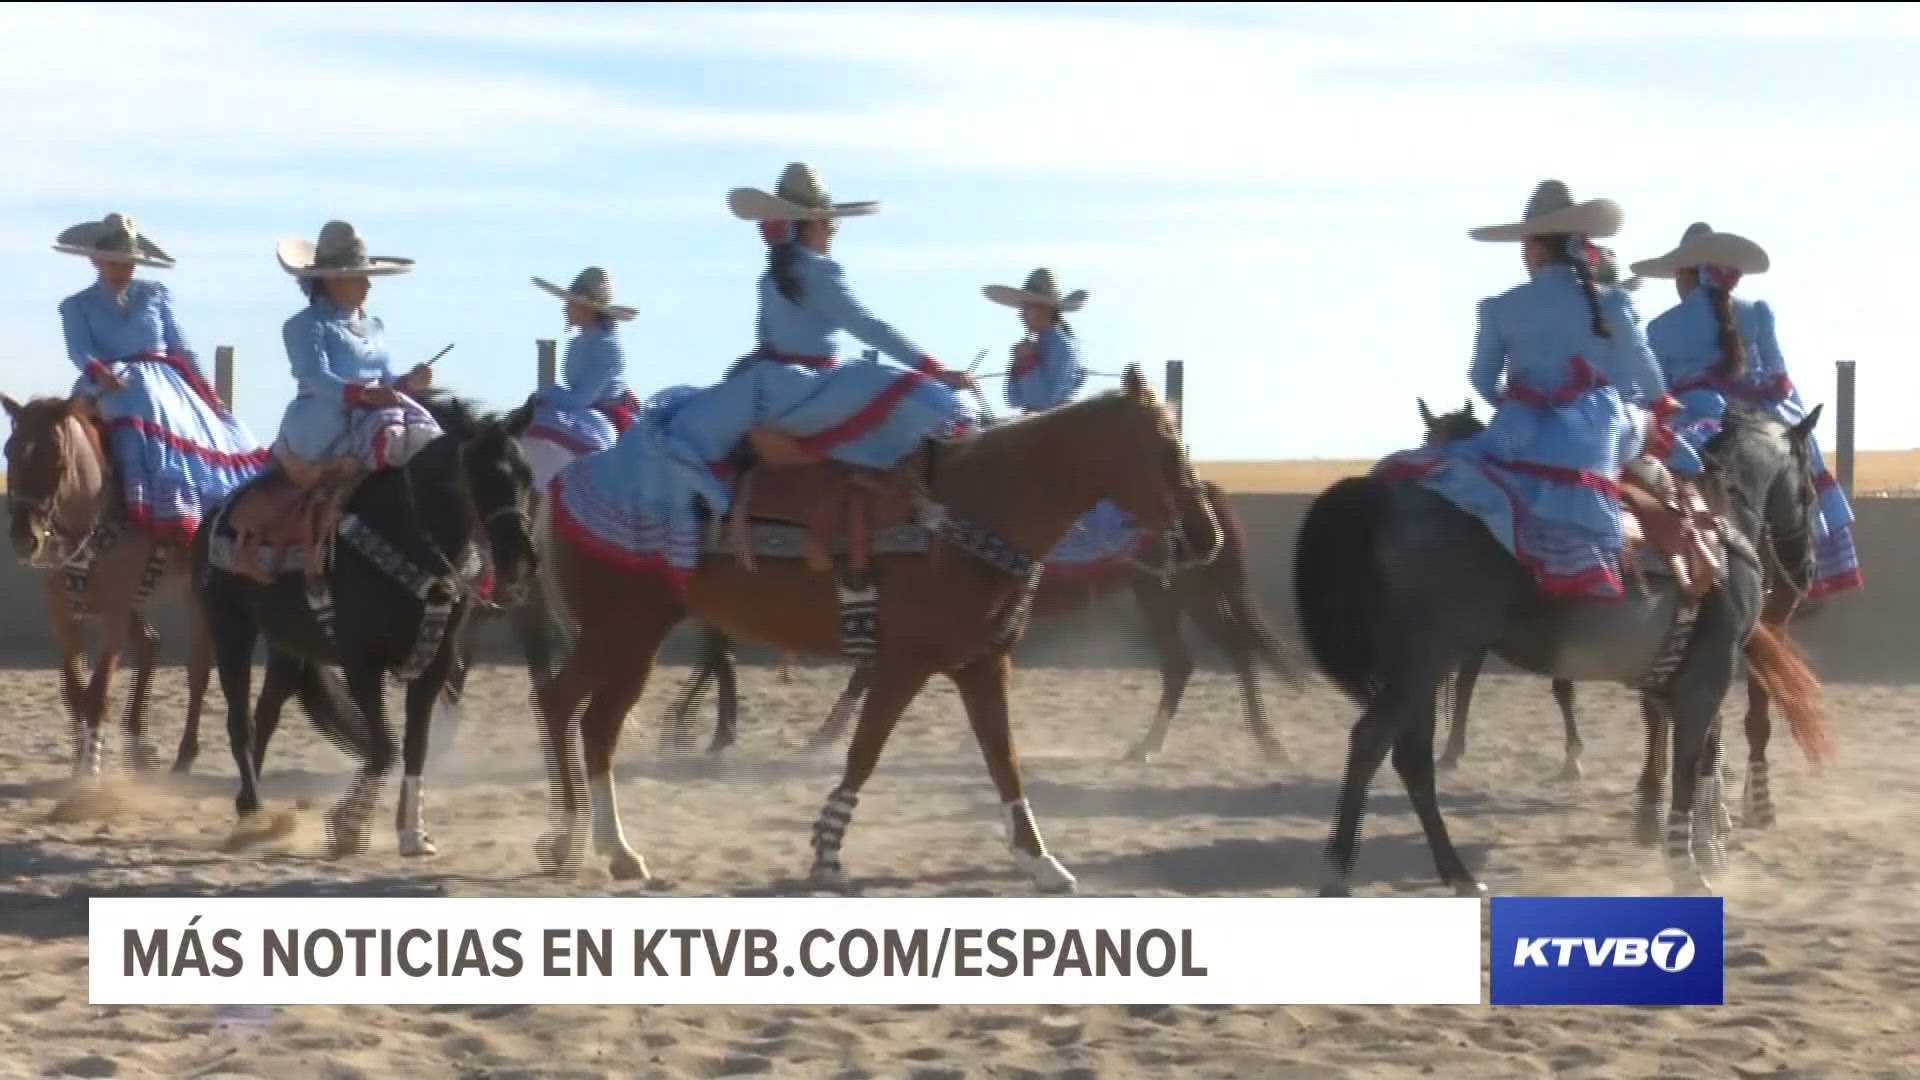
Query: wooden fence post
column 1177, row 394
column 548, row 373
column 223, row 374
column 1843, row 442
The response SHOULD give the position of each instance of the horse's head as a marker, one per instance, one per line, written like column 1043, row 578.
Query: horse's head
column 1767, row 467
column 1144, row 470
column 499, row 489
column 1450, row 426
column 56, row 477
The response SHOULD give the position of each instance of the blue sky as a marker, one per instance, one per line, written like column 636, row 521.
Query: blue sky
column 1278, row 195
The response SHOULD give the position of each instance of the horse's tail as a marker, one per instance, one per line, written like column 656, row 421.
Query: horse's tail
column 1336, row 582
column 1229, row 570
column 1788, row 679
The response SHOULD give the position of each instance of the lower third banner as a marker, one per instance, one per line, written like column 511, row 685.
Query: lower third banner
column 784, row 950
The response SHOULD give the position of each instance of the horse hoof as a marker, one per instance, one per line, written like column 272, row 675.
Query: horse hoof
column 182, row 766
column 1274, row 753
column 1691, row 883
column 1571, row 773
column 346, row 841
column 1048, row 875
column 1646, row 829
column 831, row 877
column 1335, row 890
column 1470, row 889
column 560, row 855
column 1141, row 753
column 627, row 866
column 1446, row 764
column 415, row 843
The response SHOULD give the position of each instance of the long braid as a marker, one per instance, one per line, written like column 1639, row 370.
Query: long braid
column 1573, row 251
column 1733, row 351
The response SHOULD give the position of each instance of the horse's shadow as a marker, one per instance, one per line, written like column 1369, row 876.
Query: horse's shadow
column 51, row 917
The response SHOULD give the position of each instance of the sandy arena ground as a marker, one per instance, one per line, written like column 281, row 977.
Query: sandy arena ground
column 1823, row 918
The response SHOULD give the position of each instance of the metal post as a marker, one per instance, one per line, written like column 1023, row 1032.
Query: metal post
column 223, row 374
column 1843, row 441
column 548, row 373
column 1177, row 393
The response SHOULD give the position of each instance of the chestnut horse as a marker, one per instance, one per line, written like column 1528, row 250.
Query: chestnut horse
column 1215, row 596
column 67, row 520
column 1000, row 500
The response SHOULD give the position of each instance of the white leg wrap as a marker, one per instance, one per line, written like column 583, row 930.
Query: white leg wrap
column 413, row 838
column 1047, row 873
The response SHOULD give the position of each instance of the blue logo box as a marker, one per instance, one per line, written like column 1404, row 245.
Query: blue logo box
column 1607, row 950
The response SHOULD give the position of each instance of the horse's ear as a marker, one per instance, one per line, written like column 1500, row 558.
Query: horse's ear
column 519, row 419
column 1803, row 430
column 1468, row 408
column 1135, row 383
column 13, row 407
column 1426, row 414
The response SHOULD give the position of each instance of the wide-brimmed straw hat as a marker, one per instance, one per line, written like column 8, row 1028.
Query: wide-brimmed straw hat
column 1040, row 289
column 339, row 253
column 1700, row 245
column 594, row 288
column 1552, row 210
column 800, row 196
column 112, row 237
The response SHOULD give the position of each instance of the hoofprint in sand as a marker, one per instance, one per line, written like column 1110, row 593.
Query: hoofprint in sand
column 1823, row 923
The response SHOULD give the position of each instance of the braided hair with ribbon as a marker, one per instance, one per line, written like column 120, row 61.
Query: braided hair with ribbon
column 1719, row 282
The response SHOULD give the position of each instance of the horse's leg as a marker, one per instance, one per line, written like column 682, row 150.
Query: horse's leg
column 1757, row 813
column 1463, row 683
column 1407, row 689
column 1413, row 760
column 350, row 822
column 859, row 681
column 1696, row 693
column 726, row 729
column 600, row 727
column 1570, row 770
column 1653, row 775
column 199, row 665
column 983, row 689
column 676, row 733
column 67, row 634
column 529, row 623
column 423, row 694
column 234, row 634
column 146, row 645
column 891, row 690
column 557, row 700
column 113, row 634
column 1162, row 611
column 1237, row 642
column 282, row 681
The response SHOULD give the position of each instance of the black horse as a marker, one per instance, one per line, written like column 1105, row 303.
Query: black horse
column 399, row 590
column 1397, row 587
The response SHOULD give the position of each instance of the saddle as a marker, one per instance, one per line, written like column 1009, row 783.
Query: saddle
column 841, row 507
column 1679, row 520
column 296, row 505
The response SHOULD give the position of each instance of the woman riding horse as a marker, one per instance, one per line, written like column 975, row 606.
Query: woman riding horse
column 1569, row 416
column 589, row 409
column 177, row 450
column 1718, row 348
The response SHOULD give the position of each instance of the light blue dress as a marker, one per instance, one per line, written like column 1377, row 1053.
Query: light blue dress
column 336, row 357
column 639, row 504
column 1686, row 338
column 1544, row 475
column 586, row 412
column 177, row 451
column 1049, row 376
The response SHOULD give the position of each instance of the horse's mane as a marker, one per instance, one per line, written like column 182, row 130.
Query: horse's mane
column 1740, row 420
column 457, row 416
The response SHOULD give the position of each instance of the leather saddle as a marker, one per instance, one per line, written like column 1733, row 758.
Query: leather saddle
column 841, row 507
column 1678, row 520
column 295, row 505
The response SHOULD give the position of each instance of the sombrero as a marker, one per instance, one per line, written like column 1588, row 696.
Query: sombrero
column 340, row 253
column 594, row 289
column 1701, row 246
column 800, row 196
column 112, row 237
column 1040, row 289
column 1552, row 210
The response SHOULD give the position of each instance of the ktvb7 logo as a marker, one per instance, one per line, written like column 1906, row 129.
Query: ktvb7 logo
column 1670, row 950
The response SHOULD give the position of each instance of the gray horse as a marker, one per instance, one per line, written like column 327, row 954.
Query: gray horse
column 1397, row 587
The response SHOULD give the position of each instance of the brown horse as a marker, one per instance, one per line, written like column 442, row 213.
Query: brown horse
column 1000, row 500
column 68, row 521
column 1215, row 595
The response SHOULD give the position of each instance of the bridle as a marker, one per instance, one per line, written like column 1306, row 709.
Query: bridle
column 74, row 550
